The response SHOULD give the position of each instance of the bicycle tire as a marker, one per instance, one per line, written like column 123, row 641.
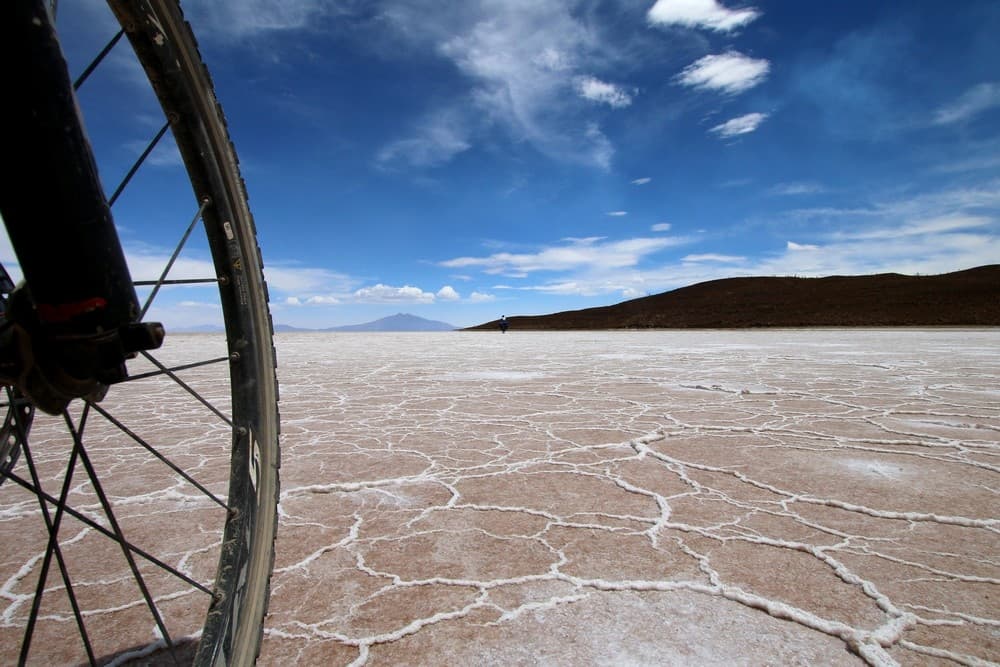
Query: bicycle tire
column 242, row 522
column 167, row 50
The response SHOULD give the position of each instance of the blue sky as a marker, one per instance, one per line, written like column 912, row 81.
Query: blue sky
column 463, row 160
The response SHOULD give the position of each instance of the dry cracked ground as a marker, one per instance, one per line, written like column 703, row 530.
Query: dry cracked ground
column 741, row 497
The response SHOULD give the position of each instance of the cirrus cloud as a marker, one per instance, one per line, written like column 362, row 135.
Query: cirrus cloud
column 971, row 103
column 593, row 253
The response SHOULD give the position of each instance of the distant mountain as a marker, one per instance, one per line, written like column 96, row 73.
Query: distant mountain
column 970, row 297
column 398, row 322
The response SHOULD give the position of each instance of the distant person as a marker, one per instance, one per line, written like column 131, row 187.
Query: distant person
column 503, row 324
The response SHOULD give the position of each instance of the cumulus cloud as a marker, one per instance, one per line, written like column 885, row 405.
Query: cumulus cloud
column 481, row 297
column 661, row 227
column 323, row 300
column 707, row 14
column 739, row 125
column 596, row 90
column 447, row 293
column 642, row 181
column 730, row 72
column 387, row 294
column 971, row 103
column 792, row 246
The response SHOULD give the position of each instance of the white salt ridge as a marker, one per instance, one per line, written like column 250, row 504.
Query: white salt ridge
column 503, row 376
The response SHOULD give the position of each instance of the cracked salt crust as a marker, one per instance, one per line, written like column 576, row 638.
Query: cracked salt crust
column 742, row 497
column 661, row 498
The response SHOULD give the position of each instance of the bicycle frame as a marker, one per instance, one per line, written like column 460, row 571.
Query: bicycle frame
column 71, row 324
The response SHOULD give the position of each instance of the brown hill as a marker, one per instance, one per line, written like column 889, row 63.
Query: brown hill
column 969, row 298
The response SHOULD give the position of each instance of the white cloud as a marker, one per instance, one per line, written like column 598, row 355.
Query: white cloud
column 661, row 227
column 439, row 138
column 798, row 188
column 599, row 148
column 574, row 255
column 148, row 263
column 207, row 305
column 730, row 72
column 480, row 297
column 642, row 181
column 324, row 300
column 700, row 14
column 931, row 233
column 969, row 164
column 596, row 90
column 165, row 154
column 932, row 226
column 971, row 103
column 447, row 293
column 739, row 125
column 713, row 257
column 248, row 18
column 292, row 301
column 301, row 279
column 387, row 294
column 617, row 214
column 736, row 183
column 521, row 61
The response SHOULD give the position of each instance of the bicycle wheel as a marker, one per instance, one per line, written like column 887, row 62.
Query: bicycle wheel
column 159, row 516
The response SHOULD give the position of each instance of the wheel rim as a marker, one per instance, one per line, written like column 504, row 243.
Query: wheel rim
column 137, row 516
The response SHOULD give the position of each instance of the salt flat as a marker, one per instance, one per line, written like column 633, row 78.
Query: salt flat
column 703, row 497
column 628, row 498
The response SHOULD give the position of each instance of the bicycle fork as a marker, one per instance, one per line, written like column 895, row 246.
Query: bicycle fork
column 71, row 324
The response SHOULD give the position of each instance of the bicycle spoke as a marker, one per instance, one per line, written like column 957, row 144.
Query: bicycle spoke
column 90, row 523
column 201, row 399
column 138, row 163
column 97, row 61
column 180, row 281
column 52, row 547
column 94, row 576
column 119, row 535
column 173, row 258
column 184, row 367
column 152, row 450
